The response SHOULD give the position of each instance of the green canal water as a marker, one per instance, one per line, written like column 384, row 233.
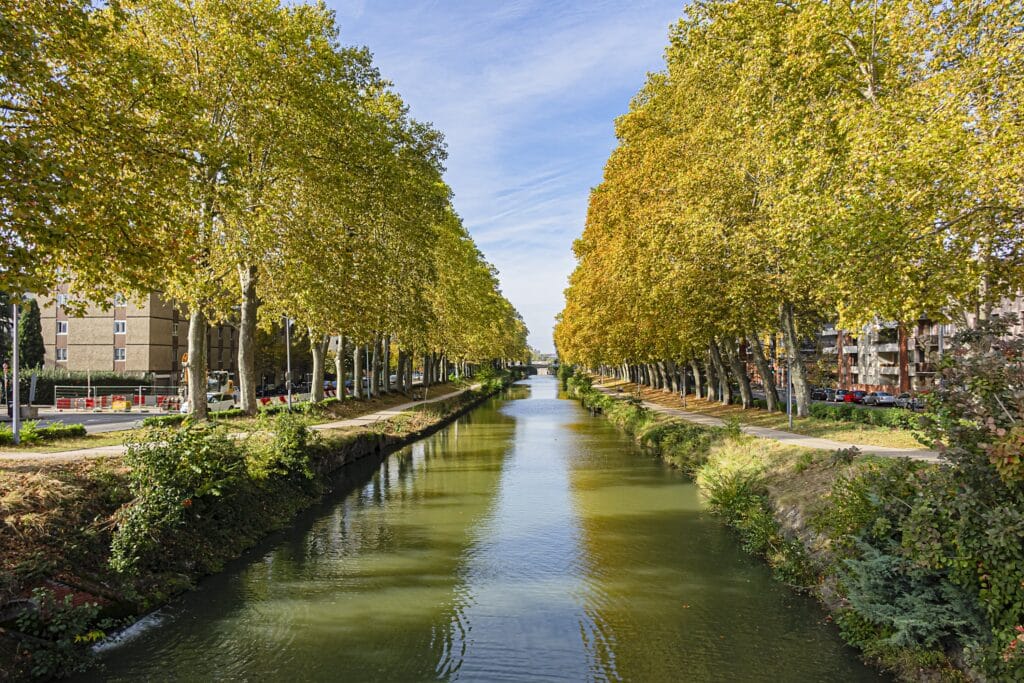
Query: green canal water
column 526, row 542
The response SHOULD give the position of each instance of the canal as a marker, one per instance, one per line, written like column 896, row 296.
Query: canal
column 526, row 542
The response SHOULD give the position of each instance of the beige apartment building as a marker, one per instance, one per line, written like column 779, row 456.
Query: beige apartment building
column 147, row 335
column 886, row 357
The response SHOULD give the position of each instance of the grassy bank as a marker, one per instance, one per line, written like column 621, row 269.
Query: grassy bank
column 90, row 546
column 872, row 538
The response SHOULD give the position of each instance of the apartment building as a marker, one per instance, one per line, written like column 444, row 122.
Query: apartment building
column 886, row 357
column 146, row 336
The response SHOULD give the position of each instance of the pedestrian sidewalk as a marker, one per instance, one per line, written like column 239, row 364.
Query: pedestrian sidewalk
column 114, row 451
column 788, row 438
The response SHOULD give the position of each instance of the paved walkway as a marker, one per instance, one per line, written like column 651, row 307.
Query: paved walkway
column 113, row 451
column 785, row 437
column 371, row 418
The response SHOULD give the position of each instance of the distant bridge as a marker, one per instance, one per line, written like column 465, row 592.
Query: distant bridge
column 540, row 367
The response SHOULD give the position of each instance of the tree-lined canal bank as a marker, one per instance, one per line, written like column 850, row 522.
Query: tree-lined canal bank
column 526, row 541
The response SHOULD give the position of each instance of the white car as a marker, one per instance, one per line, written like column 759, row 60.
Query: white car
column 214, row 402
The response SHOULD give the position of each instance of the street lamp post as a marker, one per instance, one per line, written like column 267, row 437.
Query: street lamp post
column 288, row 356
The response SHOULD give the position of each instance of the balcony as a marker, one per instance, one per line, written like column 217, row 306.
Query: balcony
column 889, row 370
column 829, row 350
column 851, row 349
column 888, row 348
column 927, row 341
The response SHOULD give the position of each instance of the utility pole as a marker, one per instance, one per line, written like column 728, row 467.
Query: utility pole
column 15, row 398
column 288, row 357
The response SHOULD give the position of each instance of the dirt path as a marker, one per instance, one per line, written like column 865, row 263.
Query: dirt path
column 788, row 438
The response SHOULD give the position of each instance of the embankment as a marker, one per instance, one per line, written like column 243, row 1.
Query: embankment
column 91, row 546
column 860, row 533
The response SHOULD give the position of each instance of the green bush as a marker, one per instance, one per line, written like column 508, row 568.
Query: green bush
column 174, row 474
column 682, row 443
column 164, row 420
column 62, row 634
column 59, row 431
column 286, row 452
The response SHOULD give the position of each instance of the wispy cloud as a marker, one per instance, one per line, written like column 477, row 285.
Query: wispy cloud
column 526, row 92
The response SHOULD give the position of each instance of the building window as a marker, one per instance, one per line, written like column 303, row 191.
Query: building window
column 62, row 327
column 119, row 300
column 174, row 329
column 119, row 354
column 120, row 326
column 62, row 299
column 61, row 354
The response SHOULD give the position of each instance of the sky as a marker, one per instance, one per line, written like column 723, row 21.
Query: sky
column 526, row 93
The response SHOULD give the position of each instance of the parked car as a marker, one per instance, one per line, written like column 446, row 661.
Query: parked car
column 879, row 398
column 819, row 394
column 854, row 396
column 909, row 401
column 840, row 395
column 830, row 395
column 214, row 402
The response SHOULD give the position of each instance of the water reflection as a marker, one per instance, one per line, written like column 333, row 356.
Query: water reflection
column 526, row 542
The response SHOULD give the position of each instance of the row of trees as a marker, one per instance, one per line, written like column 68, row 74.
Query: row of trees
column 234, row 155
column 803, row 162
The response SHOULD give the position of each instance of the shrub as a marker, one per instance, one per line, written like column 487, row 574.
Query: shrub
column 59, row 431
column 61, row 635
column 171, row 473
column 287, row 452
column 685, row 444
column 164, row 420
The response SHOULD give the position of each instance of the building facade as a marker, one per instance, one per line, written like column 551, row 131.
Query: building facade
column 145, row 336
column 889, row 357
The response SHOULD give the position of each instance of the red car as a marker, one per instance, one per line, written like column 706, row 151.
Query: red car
column 854, row 396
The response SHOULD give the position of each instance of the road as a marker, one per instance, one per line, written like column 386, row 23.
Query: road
column 95, row 423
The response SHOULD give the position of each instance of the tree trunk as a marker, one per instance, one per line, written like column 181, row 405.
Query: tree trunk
column 399, row 368
column 247, row 340
column 698, row 381
column 375, row 368
column 386, row 353
column 357, row 371
column 426, row 370
column 318, row 347
column 711, row 384
column 339, row 366
column 771, row 395
column 197, row 365
column 733, row 357
column 801, row 388
column 724, row 386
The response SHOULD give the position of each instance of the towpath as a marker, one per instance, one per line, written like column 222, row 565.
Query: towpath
column 785, row 437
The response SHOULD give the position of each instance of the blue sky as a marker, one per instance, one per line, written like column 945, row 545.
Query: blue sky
column 526, row 93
